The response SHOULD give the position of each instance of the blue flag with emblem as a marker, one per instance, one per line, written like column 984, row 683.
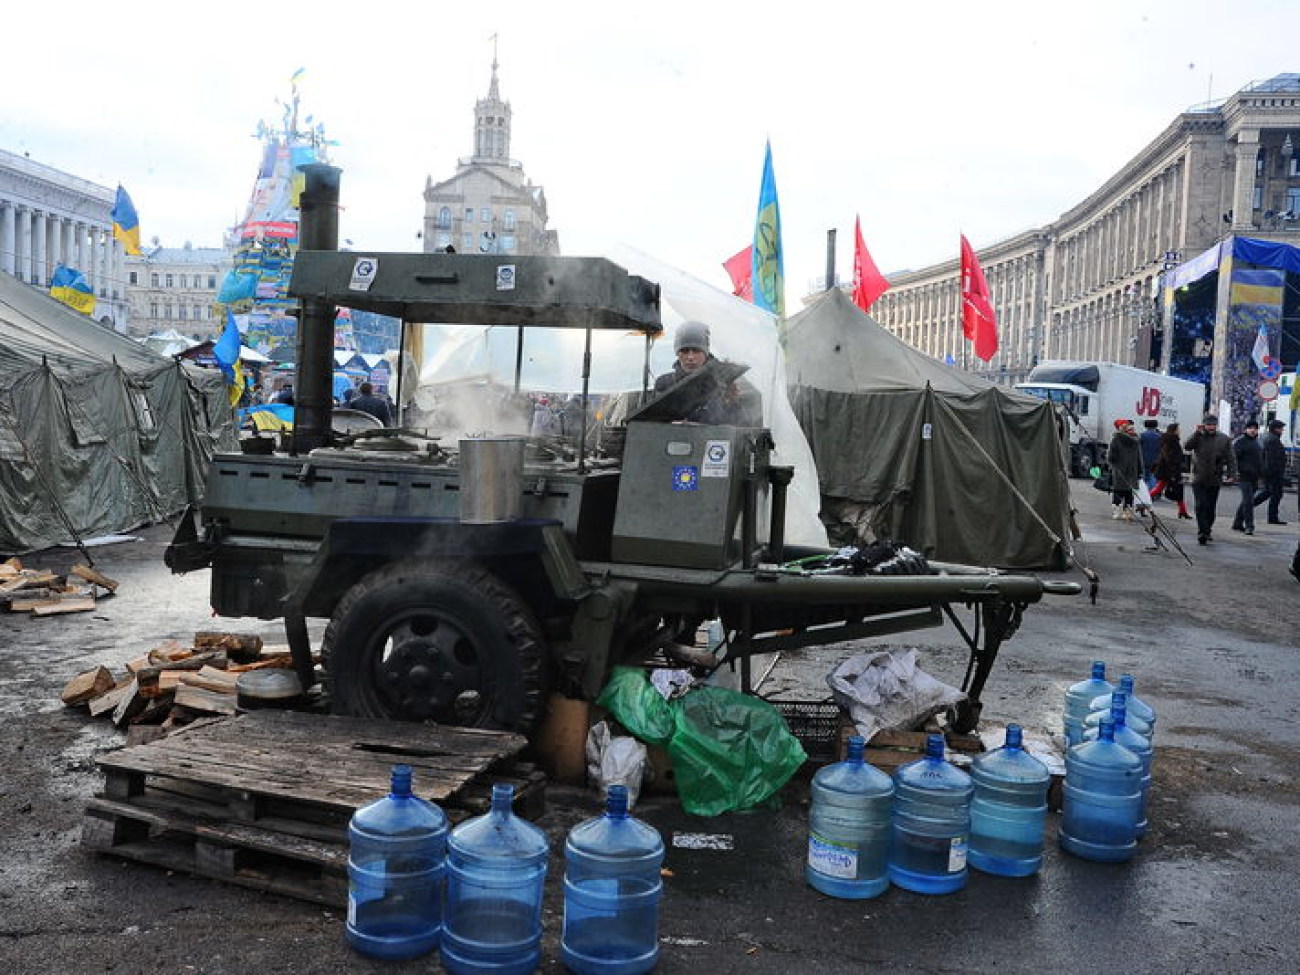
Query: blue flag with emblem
column 768, row 274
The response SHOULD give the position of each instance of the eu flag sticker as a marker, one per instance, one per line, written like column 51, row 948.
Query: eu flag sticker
column 686, row 478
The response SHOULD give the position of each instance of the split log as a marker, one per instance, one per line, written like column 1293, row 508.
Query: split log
column 68, row 604
column 109, row 700
column 131, row 704
column 87, row 685
column 204, row 701
column 98, row 578
column 31, row 579
column 243, row 648
column 211, row 679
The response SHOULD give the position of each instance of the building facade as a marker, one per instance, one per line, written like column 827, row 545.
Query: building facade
column 48, row 218
column 490, row 206
column 1087, row 286
column 175, row 288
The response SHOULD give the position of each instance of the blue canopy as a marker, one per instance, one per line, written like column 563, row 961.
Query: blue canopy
column 1248, row 250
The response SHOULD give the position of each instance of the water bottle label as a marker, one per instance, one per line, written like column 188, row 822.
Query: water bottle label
column 957, row 855
column 833, row 859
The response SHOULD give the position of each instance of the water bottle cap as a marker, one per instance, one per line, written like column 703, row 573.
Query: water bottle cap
column 401, row 780
column 857, row 746
column 1106, row 729
column 503, row 797
column 616, row 801
column 1126, row 683
column 1099, row 670
column 1015, row 736
column 934, row 746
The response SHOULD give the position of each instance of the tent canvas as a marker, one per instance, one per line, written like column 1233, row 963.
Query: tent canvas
column 925, row 453
column 98, row 434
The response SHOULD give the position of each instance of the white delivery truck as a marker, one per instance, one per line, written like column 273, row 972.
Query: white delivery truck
column 1093, row 395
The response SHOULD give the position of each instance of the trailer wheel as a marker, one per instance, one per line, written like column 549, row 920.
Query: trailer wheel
column 426, row 641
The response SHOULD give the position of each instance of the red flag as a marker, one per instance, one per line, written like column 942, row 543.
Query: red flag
column 978, row 322
column 741, row 269
column 868, row 283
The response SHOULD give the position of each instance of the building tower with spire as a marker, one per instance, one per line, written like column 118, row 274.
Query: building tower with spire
column 490, row 206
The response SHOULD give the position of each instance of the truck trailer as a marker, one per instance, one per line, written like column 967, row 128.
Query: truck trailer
column 1093, row 395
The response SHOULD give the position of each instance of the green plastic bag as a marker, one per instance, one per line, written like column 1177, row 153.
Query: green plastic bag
column 729, row 750
column 639, row 708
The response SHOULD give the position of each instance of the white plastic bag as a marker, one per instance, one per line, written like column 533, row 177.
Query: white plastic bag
column 615, row 760
column 886, row 689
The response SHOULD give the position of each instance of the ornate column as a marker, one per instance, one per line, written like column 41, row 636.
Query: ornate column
column 40, row 257
column 24, row 248
column 1243, row 186
column 8, row 238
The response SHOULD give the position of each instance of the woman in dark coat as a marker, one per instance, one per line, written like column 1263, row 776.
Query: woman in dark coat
column 1125, row 460
column 1168, row 469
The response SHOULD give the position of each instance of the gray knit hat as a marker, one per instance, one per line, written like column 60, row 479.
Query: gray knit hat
column 691, row 335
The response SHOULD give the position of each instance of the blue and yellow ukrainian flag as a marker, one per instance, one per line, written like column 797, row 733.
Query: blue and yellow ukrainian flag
column 768, row 273
column 71, row 287
column 226, row 352
column 126, row 222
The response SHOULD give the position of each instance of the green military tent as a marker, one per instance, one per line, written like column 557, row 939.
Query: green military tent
column 98, row 434
column 912, row 450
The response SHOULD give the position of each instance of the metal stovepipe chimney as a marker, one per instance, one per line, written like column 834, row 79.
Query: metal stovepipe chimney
column 313, row 388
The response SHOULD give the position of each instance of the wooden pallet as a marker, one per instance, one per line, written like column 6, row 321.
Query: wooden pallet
column 263, row 799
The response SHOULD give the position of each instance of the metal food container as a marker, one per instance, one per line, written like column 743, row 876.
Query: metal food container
column 491, row 479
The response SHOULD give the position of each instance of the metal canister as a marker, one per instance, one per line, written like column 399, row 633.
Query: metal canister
column 491, row 479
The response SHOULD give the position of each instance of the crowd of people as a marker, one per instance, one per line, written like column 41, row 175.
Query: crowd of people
column 1156, row 463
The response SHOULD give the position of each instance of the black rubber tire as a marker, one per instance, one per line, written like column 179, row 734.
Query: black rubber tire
column 409, row 640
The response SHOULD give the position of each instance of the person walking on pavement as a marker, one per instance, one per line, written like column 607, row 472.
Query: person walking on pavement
column 1270, row 489
column 1168, row 469
column 1124, row 456
column 1213, row 465
column 1149, row 441
column 1250, row 465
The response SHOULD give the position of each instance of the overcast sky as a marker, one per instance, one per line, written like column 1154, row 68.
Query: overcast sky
column 645, row 123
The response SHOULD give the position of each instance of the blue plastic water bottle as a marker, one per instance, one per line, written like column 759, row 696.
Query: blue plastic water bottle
column 930, row 824
column 496, row 867
column 1079, row 698
column 1103, row 798
column 1137, row 708
column 1008, row 809
column 1134, row 723
column 1138, row 744
column 396, row 862
column 612, row 889
column 848, row 827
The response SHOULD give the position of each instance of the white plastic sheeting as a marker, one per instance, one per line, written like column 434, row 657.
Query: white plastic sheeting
column 459, row 355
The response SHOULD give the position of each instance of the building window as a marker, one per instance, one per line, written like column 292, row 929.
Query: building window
column 444, row 218
column 467, row 242
column 167, row 310
column 508, row 243
column 510, row 220
column 469, row 214
column 170, row 279
column 1293, row 167
column 212, row 282
column 486, row 215
column 444, row 241
column 153, row 309
column 1293, row 201
column 1257, row 201
column 153, row 280
column 133, row 277
column 1259, row 163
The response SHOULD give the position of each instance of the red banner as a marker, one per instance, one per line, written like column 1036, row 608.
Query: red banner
column 978, row 323
column 868, row 283
column 741, row 269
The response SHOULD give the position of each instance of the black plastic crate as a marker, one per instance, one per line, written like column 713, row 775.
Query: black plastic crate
column 815, row 723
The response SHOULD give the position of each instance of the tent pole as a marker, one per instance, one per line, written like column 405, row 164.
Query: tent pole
column 519, row 356
column 586, row 387
column 830, row 259
column 401, row 368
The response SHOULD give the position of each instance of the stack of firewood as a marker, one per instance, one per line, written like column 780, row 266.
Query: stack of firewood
column 44, row 593
column 173, row 684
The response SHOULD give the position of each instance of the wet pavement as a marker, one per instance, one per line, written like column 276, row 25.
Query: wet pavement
column 1213, row 646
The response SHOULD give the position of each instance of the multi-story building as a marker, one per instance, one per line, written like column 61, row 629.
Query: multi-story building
column 1087, row 286
column 176, row 288
column 490, row 206
column 48, row 218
